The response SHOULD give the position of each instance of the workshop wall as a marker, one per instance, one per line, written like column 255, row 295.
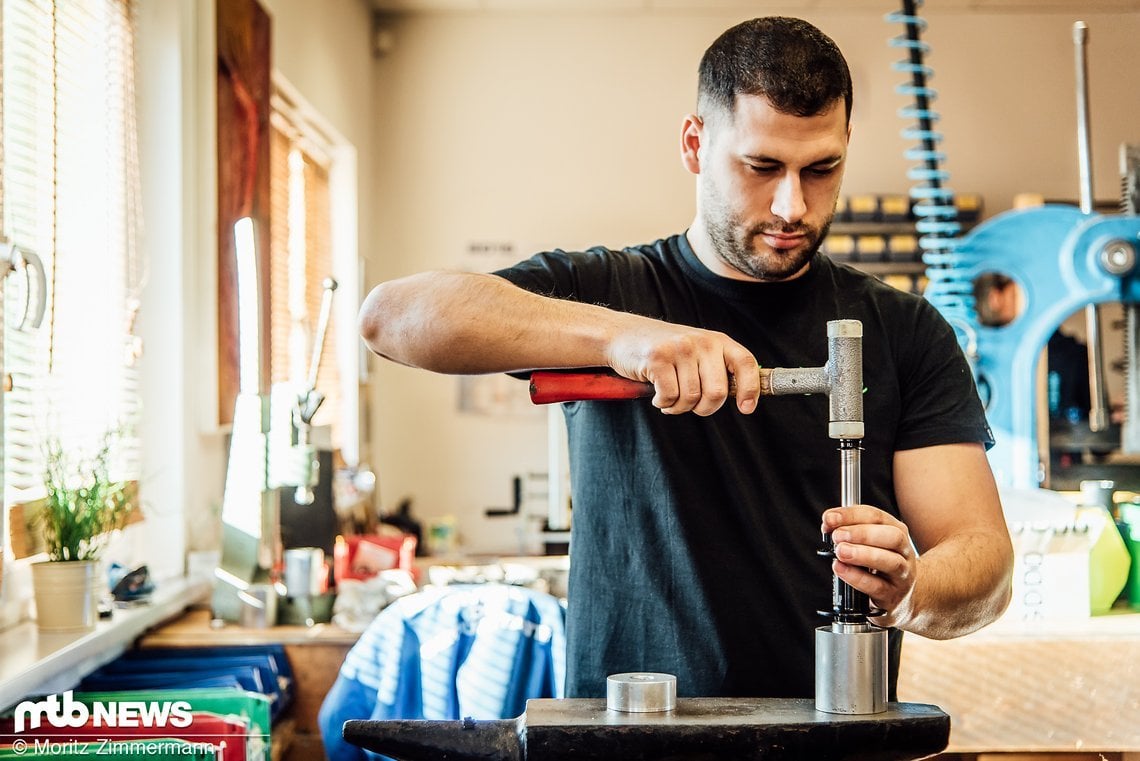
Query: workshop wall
column 531, row 131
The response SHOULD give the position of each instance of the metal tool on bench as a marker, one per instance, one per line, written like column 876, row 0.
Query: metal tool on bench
column 851, row 653
column 642, row 718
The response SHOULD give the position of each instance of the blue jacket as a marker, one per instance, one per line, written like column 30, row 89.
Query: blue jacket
column 478, row 651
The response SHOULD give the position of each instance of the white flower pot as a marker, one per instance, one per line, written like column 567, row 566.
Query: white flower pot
column 67, row 595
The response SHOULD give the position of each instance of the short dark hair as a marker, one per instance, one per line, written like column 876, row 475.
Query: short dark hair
column 795, row 66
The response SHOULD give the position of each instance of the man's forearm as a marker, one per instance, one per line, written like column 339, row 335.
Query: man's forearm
column 962, row 585
column 451, row 322
column 454, row 322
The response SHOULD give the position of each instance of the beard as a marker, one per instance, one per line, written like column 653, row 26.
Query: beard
column 739, row 246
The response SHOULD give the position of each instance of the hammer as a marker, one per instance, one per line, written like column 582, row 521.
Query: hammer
column 841, row 378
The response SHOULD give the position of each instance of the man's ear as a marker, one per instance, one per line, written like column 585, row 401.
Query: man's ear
column 692, row 136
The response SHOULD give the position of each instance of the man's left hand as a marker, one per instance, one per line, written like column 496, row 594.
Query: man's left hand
column 874, row 554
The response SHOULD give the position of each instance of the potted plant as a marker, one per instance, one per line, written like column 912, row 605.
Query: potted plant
column 83, row 506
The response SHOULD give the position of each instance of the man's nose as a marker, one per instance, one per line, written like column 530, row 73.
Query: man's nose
column 788, row 201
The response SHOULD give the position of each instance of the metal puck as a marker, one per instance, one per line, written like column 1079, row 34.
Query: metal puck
column 641, row 692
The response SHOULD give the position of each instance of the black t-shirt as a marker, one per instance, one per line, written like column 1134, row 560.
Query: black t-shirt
column 694, row 538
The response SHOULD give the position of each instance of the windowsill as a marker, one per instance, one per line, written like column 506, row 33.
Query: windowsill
column 34, row 663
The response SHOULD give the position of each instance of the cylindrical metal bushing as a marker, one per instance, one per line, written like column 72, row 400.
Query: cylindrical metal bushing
column 851, row 669
column 641, row 692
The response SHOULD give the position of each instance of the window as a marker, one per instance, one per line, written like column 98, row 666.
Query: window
column 284, row 166
column 69, row 195
column 301, row 255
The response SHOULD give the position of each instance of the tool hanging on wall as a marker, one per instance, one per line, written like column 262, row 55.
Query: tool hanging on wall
column 1130, row 205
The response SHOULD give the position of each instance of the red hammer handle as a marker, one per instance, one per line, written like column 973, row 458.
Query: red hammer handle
column 547, row 387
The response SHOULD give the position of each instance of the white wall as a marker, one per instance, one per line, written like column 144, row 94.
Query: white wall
column 182, row 456
column 562, row 130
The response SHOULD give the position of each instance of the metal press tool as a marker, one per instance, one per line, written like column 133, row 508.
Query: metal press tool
column 642, row 717
column 851, row 652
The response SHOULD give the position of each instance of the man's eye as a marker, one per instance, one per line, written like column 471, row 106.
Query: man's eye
column 823, row 171
column 762, row 169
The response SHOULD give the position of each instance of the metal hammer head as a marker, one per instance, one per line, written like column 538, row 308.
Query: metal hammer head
column 845, row 378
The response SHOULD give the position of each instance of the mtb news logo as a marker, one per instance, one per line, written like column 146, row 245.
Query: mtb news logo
column 67, row 712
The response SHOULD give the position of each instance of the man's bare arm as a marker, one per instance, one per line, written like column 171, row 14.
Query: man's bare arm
column 454, row 322
column 959, row 580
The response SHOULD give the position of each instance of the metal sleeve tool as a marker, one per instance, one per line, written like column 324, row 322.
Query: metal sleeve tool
column 851, row 652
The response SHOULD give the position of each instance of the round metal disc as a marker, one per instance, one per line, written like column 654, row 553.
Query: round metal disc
column 641, row 692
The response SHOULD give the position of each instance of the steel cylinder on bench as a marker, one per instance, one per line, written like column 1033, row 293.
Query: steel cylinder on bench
column 851, row 669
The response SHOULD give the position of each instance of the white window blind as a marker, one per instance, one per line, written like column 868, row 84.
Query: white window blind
column 301, row 257
column 70, row 196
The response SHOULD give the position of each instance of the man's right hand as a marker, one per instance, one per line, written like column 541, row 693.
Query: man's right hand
column 688, row 367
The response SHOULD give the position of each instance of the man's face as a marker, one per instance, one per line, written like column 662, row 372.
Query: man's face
column 768, row 185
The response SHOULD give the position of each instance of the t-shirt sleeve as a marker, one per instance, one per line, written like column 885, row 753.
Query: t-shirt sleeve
column 558, row 274
column 577, row 276
column 940, row 403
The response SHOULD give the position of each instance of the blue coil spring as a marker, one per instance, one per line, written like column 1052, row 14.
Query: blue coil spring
column 950, row 287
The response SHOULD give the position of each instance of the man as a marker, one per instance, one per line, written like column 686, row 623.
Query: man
column 997, row 299
column 695, row 535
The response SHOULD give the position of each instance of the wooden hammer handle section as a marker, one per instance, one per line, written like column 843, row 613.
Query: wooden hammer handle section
column 765, row 383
